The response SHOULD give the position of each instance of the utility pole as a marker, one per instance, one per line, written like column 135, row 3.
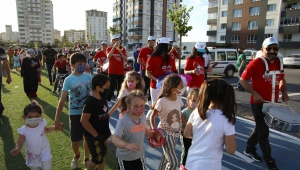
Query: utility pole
column 164, row 19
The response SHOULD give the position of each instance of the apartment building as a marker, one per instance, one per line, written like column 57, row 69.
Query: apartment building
column 9, row 32
column 246, row 23
column 75, row 36
column 139, row 19
column 35, row 20
column 57, row 34
column 96, row 27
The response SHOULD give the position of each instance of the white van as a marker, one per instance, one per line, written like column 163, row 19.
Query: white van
column 223, row 61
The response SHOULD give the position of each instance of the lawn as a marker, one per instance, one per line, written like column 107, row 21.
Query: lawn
column 14, row 101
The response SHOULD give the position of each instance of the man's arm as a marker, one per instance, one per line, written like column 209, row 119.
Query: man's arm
column 7, row 69
column 283, row 89
column 257, row 97
column 123, row 56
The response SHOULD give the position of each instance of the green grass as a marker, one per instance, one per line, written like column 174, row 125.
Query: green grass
column 14, row 101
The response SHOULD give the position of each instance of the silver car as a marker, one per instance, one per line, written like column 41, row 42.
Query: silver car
column 292, row 60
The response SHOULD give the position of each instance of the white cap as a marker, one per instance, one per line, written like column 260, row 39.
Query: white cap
column 103, row 42
column 151, row 38
column 269, row 41
column 170, row 39
column 115, row 37
column 157, row 40
column 200, row 47
column 164, row 40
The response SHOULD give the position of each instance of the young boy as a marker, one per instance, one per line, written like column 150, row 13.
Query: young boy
column 61, row 64
column 95, row 120
column 78, row 86
column 129, row 66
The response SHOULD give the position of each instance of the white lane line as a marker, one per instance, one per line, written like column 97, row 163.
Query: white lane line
column 292, row 94
column 238, row 154
column 112, row 129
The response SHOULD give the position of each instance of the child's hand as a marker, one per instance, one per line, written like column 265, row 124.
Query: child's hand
column 15, row 152
column 133, row 147
column 156, row 136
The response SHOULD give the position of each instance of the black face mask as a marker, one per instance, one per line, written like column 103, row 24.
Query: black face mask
column 104, row 93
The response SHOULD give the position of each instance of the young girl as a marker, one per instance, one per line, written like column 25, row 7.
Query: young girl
column 33, row 134
column 130, row 132
column 168, row 108
column 211, row 125
column 191, row 104
column 17, row 61
column 132, row 82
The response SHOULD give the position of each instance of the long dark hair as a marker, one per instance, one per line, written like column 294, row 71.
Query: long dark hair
column 220, row 93
column 206, row 50
column 162, row 50
column 195, row 53
column 34, row 106
column 171, row 81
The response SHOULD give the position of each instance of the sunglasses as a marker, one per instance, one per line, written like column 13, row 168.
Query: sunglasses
column 274, row 48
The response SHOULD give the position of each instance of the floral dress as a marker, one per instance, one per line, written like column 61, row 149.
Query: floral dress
column 37, row 148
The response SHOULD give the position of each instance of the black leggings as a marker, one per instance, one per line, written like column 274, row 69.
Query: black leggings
column 115, row 82
column 147, row 84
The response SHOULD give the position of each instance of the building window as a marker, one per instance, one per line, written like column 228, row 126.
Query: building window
column 237, row 13
column 148, row 11
column 252, row 25
column 223, row 26
column 251, row 38
column 224, row 2
column 254, row 0
column 235, row 39
column 236, row 2
column 269, row 22
column 268, row 35
column 271, row 7
column 222, row 37
column 224, row 13
column 212, row 15
column 290, row 21
column 212, row 4
column 236, row 26
column 287, row 37
column 253, row 11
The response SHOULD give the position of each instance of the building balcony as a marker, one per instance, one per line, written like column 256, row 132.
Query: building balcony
column 289, row 29
column 287, row 43
column 213, row 9
column 212, row 22
column 135, row 37
column 134, row 29
column 211, row 33
column 290, row 12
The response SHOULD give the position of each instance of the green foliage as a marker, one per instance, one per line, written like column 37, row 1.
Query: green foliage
column 114, row 31
column 92, row 39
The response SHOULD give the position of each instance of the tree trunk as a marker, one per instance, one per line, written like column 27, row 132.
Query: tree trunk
column 179, row 60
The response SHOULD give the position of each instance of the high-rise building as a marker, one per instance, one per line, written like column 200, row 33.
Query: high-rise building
column 57, row 34
column 246, row 23
column 2, row 36
column 75, row 36
column 35, row 19
column 96, row 27
column 140, row 19
column 9, row 33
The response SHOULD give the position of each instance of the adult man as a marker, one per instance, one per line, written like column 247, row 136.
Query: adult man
column 135, row 56
column 261, row 91
column 101, row 56
column 144, row 54
column 3, row 58
column 116, row 56
column 49, row 58
column 206, row 57
column 175, row 53
column 241, row 64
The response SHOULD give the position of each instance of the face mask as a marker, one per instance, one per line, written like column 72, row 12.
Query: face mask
column 193, row 104
column 131, row 85
column 33, row 121
column 28, row 55
column 104, row 93
column 137, row 111
column 80, row 68
column 181, row 92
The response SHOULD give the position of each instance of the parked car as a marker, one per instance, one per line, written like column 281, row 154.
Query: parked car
column 185, row 54
column 250, row 54
column 292, row 60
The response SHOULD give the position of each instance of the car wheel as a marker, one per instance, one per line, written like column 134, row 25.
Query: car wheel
column 229, row 72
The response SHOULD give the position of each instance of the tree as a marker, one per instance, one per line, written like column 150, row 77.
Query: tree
column 92, row 39
column 114, row 31
column 180, row 17
column 57, row 42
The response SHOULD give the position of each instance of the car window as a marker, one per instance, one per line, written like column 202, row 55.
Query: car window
column 247, row 53
column 231, row 55
column 254, row 53
column 221, row 55
column 295, row 56
column 212, row 56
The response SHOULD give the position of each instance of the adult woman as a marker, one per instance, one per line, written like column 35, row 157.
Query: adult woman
column 159, row 64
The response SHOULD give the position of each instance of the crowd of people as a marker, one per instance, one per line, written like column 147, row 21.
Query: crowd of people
column 208, row 118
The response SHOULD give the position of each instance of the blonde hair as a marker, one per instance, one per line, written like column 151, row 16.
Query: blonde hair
column 194, row 92
column 129, row 97
column 137, row 76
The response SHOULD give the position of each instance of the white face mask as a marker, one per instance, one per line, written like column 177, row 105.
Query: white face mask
column 33, row 121
column 28, row 55
column 181, row 92
column 193, row 105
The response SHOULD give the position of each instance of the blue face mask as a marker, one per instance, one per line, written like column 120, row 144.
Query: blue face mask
column 80, row 68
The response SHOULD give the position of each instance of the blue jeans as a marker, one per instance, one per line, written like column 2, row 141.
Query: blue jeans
column 49, row 68
column 239, row 86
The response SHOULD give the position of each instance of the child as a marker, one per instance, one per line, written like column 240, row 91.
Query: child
column 130, row 132
column 17, row 61
column 78, row 86
column 129, row 66
column 131, row 82
column 33, row 134
column 192, row 101
column 168, row 108
column 95, row 121
column 61, row 64
column 211, row 125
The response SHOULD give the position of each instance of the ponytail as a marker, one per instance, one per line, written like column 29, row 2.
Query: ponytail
column 123, row 106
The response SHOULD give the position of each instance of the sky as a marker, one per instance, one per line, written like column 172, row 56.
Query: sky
column 70, row 14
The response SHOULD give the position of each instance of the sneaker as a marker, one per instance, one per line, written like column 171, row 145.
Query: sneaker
column 109, row 104
column 53, row 91
column 86, row 161
column 271, row 165
column 74, row 163
column 253, row 155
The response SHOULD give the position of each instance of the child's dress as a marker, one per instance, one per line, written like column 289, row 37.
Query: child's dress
column 37, row 148
column 17, row 61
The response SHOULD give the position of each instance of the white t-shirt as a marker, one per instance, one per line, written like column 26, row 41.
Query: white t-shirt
column 206, row 150
column 123, row 93
column 37, row 148
column 206, row 59
column 169, row 113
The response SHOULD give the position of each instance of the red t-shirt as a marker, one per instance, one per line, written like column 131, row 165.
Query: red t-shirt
column 262, row 83
column 100, row 55
column 173, row 56
column 144, row 54
column 61, row 66
column 116, row 63
column 192, row 64
column 158, row 68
